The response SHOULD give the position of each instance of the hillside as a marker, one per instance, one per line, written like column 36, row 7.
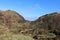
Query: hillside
column 10, row 20
column 46, row 27
column 11, row 16
column 11, row 25
column 50, row 23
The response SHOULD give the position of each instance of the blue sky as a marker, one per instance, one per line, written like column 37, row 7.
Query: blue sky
column 31, row 9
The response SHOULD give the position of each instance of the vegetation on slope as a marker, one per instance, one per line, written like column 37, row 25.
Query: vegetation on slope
column 14, row 27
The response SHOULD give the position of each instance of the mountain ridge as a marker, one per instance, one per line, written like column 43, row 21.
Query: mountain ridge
column 46, row 25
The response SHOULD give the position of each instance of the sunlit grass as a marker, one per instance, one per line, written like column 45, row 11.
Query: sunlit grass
column 11, row 36
column 50, row 35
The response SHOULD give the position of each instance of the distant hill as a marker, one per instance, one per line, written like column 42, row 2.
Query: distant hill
column 49, row 21
column 11, row 20
column 10, row 15
column 46, row 27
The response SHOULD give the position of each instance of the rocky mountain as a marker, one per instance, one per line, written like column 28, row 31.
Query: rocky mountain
column 50, row 23
column 11, row 16
column 11, row 20
column 46, row 27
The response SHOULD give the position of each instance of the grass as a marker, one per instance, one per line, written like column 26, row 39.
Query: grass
column 10, row 36
column 50, row 35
